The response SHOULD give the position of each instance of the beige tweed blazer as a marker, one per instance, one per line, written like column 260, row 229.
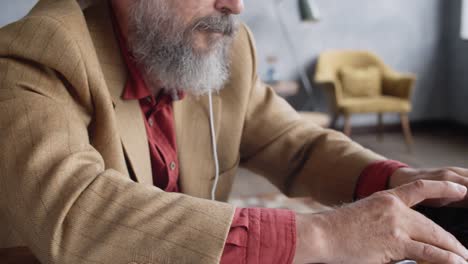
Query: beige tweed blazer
column 75, row 171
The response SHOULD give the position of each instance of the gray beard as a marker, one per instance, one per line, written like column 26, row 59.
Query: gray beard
column 164, row 49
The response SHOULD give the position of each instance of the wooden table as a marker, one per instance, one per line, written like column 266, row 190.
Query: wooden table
column 285, row 88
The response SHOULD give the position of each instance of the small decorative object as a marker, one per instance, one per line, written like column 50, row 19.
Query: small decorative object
column 271, row 70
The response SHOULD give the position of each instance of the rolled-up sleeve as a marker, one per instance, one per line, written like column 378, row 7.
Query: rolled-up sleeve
column 375, row 177
column 261, row 236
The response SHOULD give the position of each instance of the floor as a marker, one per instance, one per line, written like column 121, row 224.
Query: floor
column 435, row 147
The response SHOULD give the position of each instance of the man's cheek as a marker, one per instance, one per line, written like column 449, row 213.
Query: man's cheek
column 201, row 41
column 187, row 10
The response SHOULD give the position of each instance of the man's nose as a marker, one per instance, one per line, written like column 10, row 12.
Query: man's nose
column 230, row 6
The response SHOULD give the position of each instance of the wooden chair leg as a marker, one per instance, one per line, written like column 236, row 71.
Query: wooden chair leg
column 380, row 127
column 405, row 124
column 347, row 125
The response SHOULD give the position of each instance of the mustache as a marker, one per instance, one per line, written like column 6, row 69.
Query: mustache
column 224, row 24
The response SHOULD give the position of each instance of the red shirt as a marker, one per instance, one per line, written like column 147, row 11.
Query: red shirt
column 158, row 114
column 375, row 178
column 256, row 235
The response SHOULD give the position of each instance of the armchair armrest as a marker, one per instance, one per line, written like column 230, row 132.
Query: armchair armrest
column 324, row 75
column 399, row 85
column 326, row 78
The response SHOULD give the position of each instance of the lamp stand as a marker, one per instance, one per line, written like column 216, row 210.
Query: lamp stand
column 310, row 104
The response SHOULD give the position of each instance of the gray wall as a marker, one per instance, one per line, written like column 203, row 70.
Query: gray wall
column 13, row 10
column 457, row 69
column 405, row 34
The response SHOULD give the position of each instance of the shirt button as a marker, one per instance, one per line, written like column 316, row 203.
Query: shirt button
column 151, row 122
column 172, row 166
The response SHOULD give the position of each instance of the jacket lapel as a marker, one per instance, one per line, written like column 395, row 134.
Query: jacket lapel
column 135, row 142
column 128, row 113
column 194, row 143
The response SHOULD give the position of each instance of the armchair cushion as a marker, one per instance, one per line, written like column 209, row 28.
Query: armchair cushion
column 379, row 104
column 361, row 82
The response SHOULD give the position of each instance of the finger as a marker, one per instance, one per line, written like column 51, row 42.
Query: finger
column 424, row 230
column 461, row 177
column 416, row 192
column 455, row 175
column 431, row 254
column 460, row 171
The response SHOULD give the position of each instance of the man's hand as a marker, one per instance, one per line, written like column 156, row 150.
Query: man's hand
column 381, row 229
column 453, row 174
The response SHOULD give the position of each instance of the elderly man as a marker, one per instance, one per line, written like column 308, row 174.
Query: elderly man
column 120, row 123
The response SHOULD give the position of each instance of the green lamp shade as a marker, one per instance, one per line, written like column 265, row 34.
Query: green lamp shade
column 309, row 11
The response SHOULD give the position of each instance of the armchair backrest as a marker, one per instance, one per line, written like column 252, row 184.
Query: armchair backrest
column 330, row 62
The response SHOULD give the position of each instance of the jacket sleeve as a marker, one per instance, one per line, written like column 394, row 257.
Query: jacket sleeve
column 67, row 208
column 300, row 158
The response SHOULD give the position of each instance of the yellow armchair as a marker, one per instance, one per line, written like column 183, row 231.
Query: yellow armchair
column 394, row 94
